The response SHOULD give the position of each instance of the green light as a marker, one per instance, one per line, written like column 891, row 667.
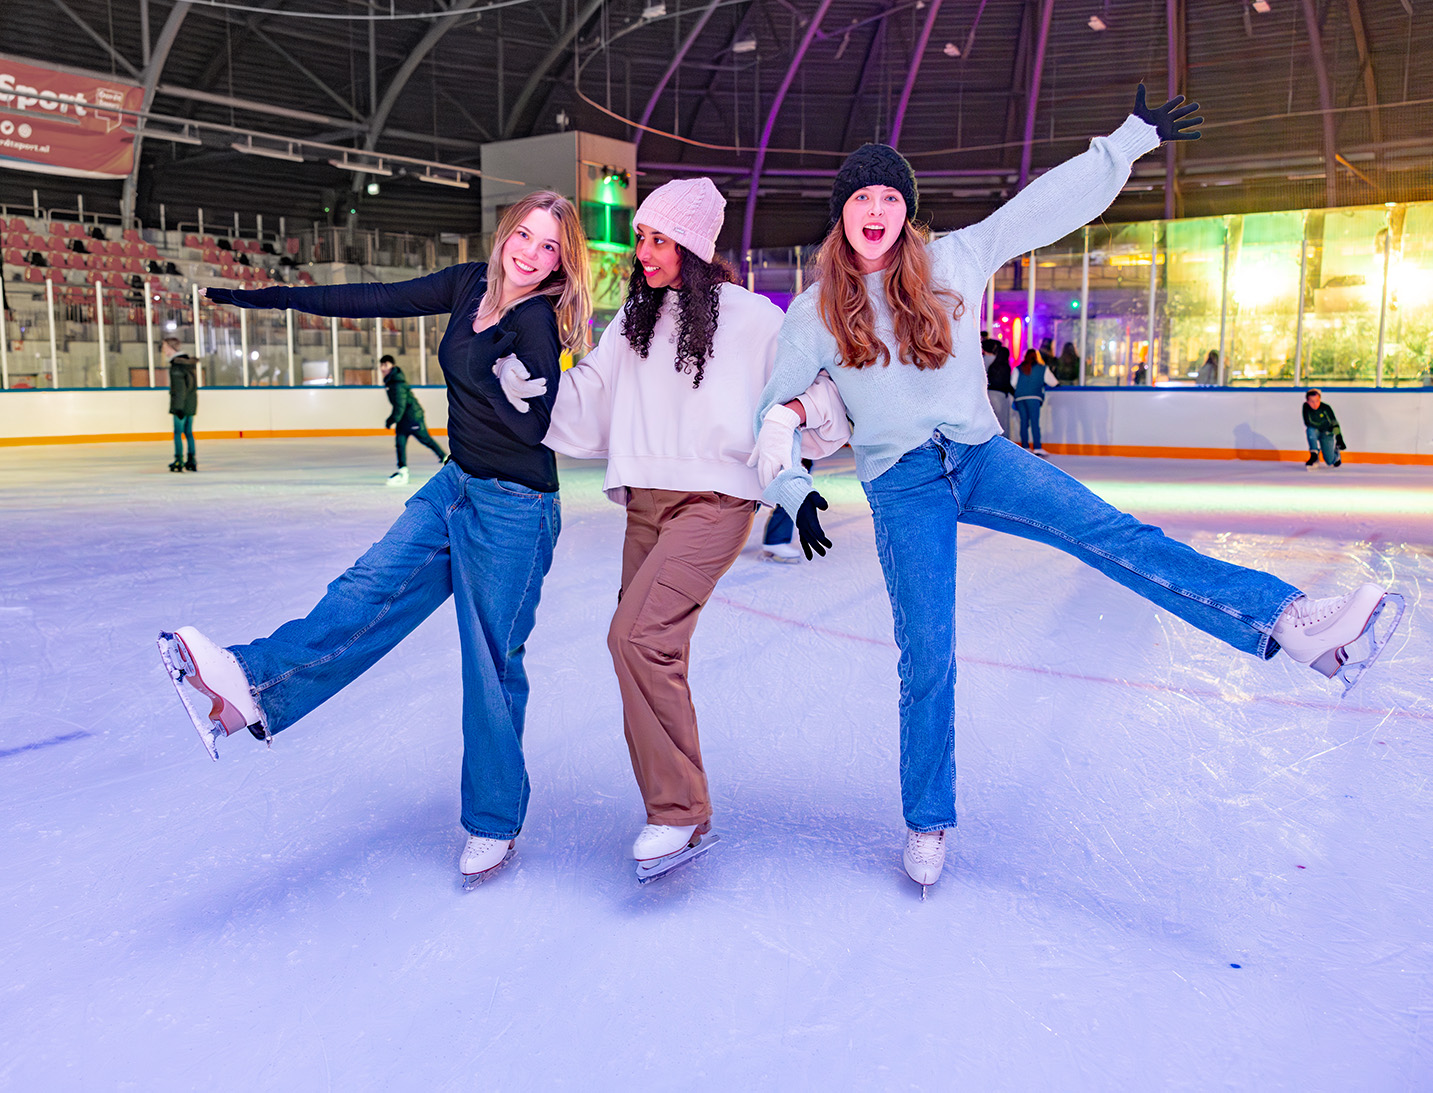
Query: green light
column 1074, row 305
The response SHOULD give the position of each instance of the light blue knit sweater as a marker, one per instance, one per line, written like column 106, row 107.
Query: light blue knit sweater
column 896, row 409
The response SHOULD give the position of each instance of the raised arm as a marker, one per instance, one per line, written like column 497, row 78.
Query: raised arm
column 437, row 293
column 1074, row 193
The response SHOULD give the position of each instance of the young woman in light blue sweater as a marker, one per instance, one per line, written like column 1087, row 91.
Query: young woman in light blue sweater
column 892, row 319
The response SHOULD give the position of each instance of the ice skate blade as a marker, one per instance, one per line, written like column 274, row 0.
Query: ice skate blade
column 473, row 880
column 1340, row 664
column 178, row 665
column 660, row 867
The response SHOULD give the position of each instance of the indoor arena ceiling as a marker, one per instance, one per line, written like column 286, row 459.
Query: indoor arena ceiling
column 1307, row 103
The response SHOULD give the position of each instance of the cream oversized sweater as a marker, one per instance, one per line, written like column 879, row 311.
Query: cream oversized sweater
column 657, row 432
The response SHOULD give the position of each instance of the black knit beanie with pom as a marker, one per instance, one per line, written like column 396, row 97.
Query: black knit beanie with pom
column 873, row 165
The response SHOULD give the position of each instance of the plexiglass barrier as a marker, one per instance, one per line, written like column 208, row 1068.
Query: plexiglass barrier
column 1327, row 296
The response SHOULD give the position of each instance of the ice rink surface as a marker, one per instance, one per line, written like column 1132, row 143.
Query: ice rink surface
column 1177, row 867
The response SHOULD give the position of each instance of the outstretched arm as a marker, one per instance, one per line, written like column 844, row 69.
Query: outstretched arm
column 1077, row 191
column 432, row 295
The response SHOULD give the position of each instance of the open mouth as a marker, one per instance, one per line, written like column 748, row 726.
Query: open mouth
column 651, row 271
column 522, row 267
column 874, row 233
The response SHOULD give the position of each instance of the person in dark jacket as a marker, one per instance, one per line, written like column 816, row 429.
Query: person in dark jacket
column 1323, row 431
column 406, row 419
column 1067, row 364
column 183, row 401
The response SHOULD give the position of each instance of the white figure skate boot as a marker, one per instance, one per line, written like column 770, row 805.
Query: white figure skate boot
column 482, row 858
column 924, row 857
column 197, row 667
column 660, row 848
column 1320, row 632
column 788, row 553
column 399, row 477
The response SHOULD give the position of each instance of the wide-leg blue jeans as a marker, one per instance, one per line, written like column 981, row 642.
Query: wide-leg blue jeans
column 998, row 485
column 489, row 544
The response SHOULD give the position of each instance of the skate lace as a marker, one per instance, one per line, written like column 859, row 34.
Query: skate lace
column 1307, row 612
column 925, row 846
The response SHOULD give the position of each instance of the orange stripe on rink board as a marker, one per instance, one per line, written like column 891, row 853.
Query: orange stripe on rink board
column 218, row 434
column 1259, row 454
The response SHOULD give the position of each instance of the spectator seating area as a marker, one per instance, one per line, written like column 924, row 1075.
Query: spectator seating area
column 76, row 257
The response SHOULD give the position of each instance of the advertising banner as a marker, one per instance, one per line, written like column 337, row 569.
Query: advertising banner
column 86, row 135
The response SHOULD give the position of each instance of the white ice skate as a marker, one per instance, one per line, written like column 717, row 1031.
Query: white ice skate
column 201, row 670
column 659, row 849
column 399, row 477
column 787, row 553
column 924, row 857
column 1322, row 633
column 482, row 858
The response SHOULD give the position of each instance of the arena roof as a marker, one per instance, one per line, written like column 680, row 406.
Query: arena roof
column 1307, row 103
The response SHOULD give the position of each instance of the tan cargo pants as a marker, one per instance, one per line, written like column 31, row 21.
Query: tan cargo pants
column 677, row 547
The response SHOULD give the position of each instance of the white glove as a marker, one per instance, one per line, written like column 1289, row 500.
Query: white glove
column 517, row 384
column 774, row 444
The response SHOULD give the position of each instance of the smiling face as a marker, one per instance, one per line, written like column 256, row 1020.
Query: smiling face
column 531, row 252
column 873, row 219
column 659, row 259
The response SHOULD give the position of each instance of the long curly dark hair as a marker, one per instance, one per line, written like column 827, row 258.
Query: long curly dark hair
column 698, row 308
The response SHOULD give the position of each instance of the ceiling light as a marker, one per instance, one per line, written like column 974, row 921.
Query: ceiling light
column 951, row 49
column 439, row 180
column 249, row 148
column 1096, row 23
column 162, row 134
column 746, row 45
column 362, row 168
column 372, row 189
column 655, row 10
column 1261, row 6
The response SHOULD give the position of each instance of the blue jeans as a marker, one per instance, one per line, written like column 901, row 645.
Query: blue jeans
column 183, row 426
column 484, row 541
column 997, row 485
column 1029, row 411
column 1325, row 442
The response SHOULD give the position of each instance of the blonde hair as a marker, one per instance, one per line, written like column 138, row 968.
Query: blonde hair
column 568, row 283
column 921, row 314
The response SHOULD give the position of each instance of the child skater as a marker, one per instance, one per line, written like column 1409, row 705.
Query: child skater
column 667, row 398
column 892, row 319
column 481, row 530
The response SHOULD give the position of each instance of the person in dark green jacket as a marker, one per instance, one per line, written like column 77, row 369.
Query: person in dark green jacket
column 183, row 401
column 1323, row 431
column 406, row 419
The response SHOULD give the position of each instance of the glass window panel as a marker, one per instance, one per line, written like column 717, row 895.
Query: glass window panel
column 1408, row 331
column 1345, row 279
column 1193, row 289
column 1263, row 298
column 1117, row 337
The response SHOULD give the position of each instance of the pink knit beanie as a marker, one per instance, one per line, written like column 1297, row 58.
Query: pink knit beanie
column 688, row 211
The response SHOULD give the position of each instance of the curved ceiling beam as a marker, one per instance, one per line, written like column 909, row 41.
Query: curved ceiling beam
column 1365, row 61
column 1036, row 71
column 916, row 56
column 1316, row 50
column 157, row 57
column 875, row 48
column 672, row 69
column 431, row 37
column 791, row 69
column 544, row 66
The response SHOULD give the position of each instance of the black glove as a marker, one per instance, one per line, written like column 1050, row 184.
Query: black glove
column 223, row 296
column 1170, row 120
column 809, row 527
column 388, row 424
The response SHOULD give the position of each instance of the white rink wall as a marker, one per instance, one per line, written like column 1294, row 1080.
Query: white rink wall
column 1391, row 426
column 76, row 416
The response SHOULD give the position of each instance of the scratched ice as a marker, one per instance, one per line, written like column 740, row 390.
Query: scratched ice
column 1177, row 868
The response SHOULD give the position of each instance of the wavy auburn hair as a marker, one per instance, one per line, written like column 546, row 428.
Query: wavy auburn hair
column 921, row 313
column 698, row 310
column 567, row 284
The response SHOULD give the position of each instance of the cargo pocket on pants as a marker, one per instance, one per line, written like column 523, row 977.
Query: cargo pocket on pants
column 669, row 615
